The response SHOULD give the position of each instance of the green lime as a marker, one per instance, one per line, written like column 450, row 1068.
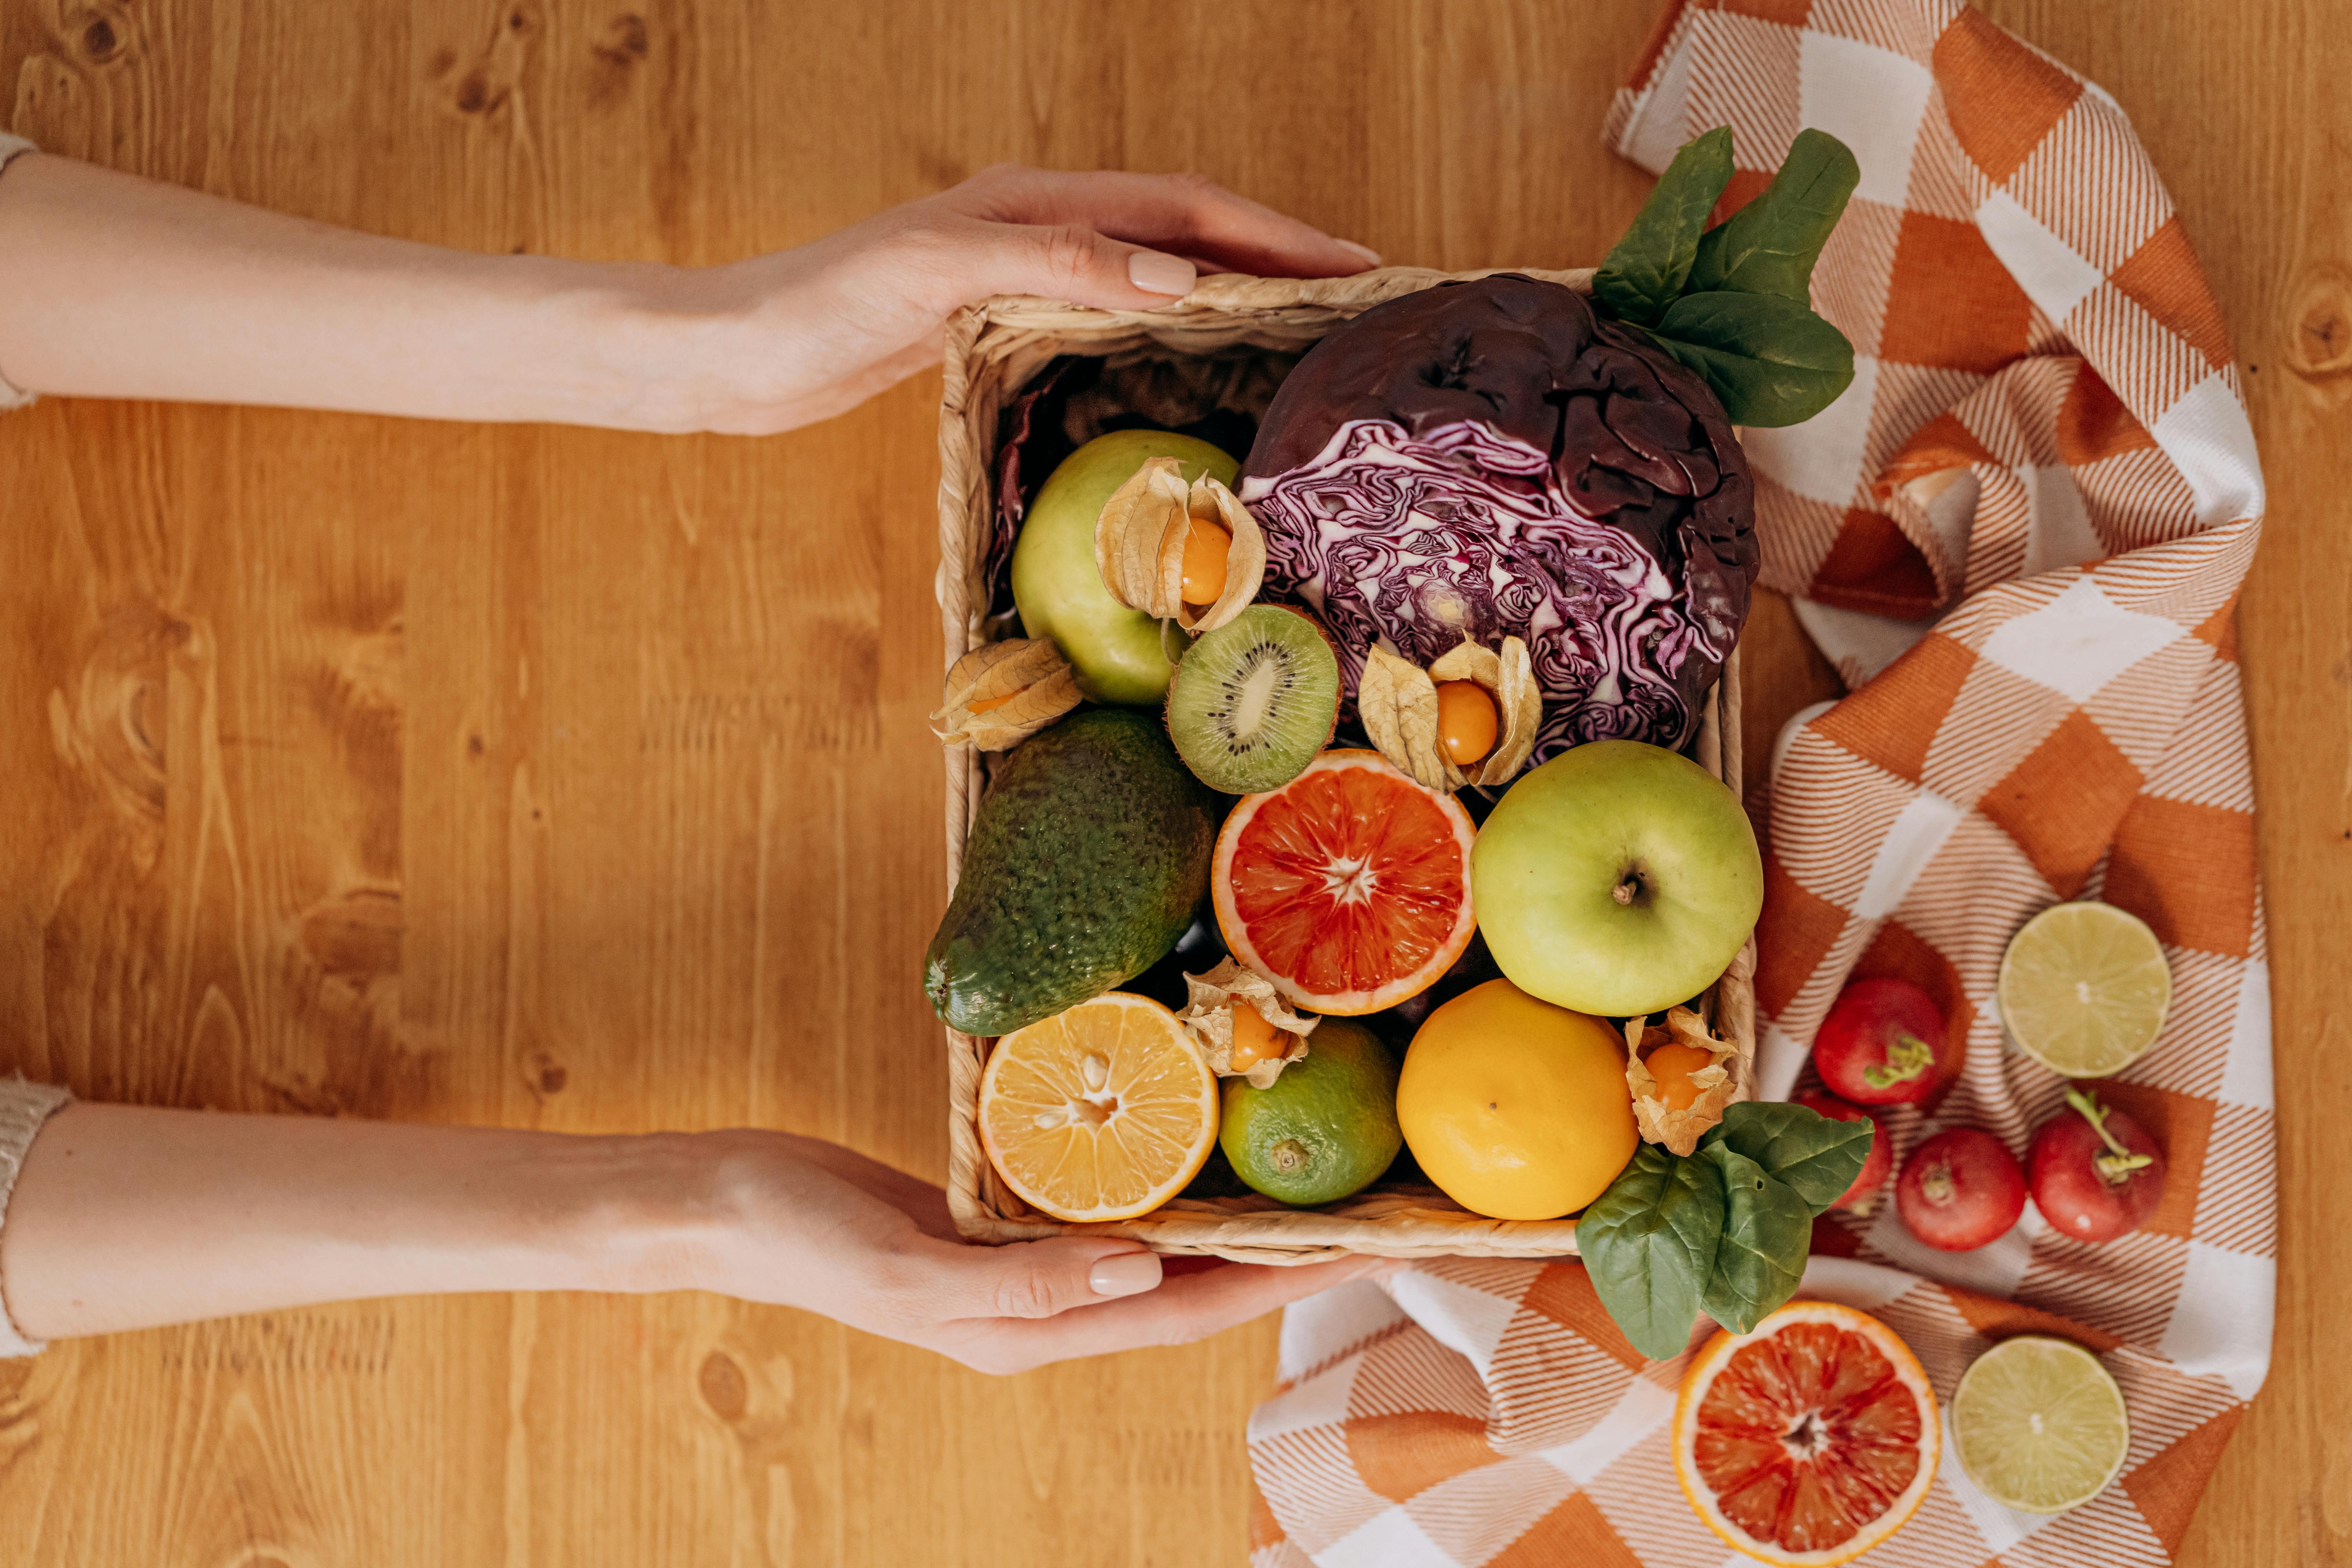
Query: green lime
column 2040, row 1425
column 1327, row 1128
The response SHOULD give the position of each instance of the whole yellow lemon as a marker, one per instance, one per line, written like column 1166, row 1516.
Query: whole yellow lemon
column 1517, row 1108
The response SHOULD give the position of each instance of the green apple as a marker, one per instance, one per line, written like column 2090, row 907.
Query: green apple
column 1617, row 878
column 1115, row 651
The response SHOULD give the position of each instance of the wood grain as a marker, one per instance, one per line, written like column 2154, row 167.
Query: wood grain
column 580, row 781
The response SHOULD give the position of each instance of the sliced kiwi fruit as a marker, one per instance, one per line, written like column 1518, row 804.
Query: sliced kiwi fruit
column 1254, row 701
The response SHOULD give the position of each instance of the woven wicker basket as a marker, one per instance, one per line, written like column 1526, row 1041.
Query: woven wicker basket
column 994, row 349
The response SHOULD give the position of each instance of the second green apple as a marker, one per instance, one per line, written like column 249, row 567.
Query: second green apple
column 1616, row 880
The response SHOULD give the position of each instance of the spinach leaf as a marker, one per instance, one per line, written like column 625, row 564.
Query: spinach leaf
column 1649, row 1243
column 1641, row 274
column 1766, row 1231
column 1817, row 1155
column 1770, row 246
column 1768, row 359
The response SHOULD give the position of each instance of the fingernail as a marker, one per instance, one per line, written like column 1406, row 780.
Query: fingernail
column 1364, row 253
column 1156, row 272
column 1129, row 1274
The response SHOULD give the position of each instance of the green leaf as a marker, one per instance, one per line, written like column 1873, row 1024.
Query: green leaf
column 1818, row 1156
column 1770, row 246
column 1640, row 277
column 1769, row 360
column 1766, row 1231
column 1649, row 1243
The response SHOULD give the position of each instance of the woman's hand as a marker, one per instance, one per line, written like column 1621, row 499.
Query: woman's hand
column 130, row 1218
column 787, row 339
column 112, row 286
column 806, row 1224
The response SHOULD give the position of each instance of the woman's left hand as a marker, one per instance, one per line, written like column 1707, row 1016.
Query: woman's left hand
column 790, row 338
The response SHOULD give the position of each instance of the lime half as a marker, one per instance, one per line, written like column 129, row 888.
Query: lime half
column 2038, row 1425
column 2084, row 989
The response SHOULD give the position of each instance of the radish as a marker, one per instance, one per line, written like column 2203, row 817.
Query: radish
column 1881, row 1159
column 2096, row 1172
column 1959, row 1189
column 1882, row 1044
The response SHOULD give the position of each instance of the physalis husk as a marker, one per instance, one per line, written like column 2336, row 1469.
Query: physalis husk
column 1679, row 1127
column 1398, row 703
column 1141, row 540
column 1208, row 1016
column 1001, row 694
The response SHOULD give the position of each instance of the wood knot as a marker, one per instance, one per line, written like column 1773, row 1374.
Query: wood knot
column 543, row 1075
column 354, row 936
column 474, row 95
column 99, row 42
column 625, row 41
column 723, row 1386
column 2319, row 327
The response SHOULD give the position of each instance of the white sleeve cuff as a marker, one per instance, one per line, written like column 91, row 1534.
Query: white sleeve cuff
column 9, row 396
column 24, row 1107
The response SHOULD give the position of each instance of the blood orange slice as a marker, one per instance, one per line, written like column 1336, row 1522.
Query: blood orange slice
column 1348, row 888
column 1809, row 1441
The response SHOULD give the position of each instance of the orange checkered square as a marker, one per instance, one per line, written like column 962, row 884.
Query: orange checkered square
column 2163, row 278
column 2187, row 870
column 2062, row 802
column 2000, row 96
column 1880, row 721
column 1951, row 301
column 1575, row 1534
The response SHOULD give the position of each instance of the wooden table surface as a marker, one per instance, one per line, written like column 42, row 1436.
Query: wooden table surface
column 581, row 781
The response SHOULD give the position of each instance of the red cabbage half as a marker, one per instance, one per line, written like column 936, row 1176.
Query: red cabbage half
column 1491, row 459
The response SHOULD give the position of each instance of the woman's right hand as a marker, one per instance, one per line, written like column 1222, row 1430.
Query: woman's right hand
column 801, row 1223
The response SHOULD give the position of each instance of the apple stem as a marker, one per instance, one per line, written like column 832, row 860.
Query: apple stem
column 1624, row 892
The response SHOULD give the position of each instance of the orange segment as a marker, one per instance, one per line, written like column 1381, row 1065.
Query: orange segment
column 1100, row 1112
column 1349, row 886
column 1809, row 1441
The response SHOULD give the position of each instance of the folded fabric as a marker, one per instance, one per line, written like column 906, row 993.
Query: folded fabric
column 2020, row 536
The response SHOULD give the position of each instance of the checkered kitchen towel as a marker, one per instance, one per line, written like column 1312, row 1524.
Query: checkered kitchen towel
column 2021, row 536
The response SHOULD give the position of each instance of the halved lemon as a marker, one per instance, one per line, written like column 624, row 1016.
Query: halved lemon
column 2084, row 989
column 2038, row 1425
column 1100, row 1112
column 1809, row 1441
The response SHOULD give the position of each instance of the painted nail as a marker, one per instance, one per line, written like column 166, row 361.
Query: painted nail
column 1364, row 253
column 1156, row 272
column 1129, row 1274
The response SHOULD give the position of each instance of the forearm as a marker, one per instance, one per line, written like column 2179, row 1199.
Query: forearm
column 112, row 286
column 127, row 1217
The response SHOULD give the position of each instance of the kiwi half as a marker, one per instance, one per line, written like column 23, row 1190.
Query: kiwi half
column 1254, row 701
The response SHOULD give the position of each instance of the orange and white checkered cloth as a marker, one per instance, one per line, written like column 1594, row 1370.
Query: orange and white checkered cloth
column 2020, row 536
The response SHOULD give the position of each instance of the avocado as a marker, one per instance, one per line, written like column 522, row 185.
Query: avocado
column 1089, row 857
column 1115, row 652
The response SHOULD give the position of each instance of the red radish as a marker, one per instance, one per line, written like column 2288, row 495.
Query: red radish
column 1882, row 1044
column 1881, row 1159
column 2096, row 1173
column 1959, row 1189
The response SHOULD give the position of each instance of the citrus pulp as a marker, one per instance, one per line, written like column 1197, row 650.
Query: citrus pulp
column 1348, row 888
column 2038, row 1425
column 1809, row 1441
column 2084, row 988
column 1102, row 1111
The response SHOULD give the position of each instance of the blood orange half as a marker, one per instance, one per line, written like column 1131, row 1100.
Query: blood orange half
column 1348, row 888
column 1809, row 1441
